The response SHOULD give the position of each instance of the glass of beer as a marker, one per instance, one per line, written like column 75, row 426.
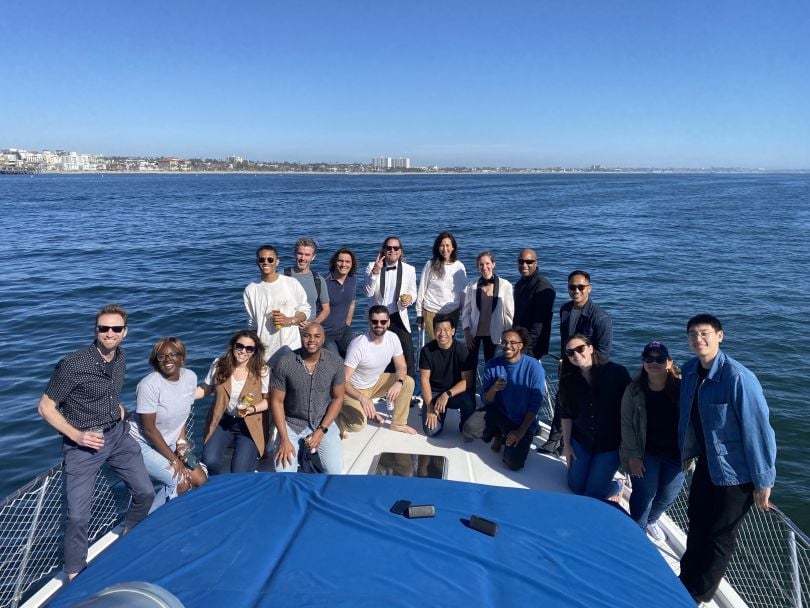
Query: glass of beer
column 275, row 312
column 244, row 404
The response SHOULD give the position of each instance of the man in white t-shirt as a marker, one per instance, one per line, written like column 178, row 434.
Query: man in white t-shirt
column 366, row 359
column 275, row 305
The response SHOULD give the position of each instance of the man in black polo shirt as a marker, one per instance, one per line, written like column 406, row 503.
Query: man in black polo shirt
column 445, row 371
column 306, row 396
column 82, row 402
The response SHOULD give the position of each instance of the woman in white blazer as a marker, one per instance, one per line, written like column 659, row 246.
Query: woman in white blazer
column 489, row 308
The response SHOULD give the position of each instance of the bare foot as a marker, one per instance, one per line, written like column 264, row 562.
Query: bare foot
column 344, row 434
column 497, row 442
column 403, row 428
column 71, row 576
column 616, row 498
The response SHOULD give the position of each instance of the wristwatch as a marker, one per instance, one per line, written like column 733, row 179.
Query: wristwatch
column 448, row 393
column 323, row 429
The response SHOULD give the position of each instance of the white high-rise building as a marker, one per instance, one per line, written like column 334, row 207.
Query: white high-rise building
column 386, row 162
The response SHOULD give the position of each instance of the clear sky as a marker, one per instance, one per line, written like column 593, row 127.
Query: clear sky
column 533, row 83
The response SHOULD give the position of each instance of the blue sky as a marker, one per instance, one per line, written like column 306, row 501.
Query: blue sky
column 529, row 84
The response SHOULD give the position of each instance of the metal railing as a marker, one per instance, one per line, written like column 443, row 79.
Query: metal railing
column 31, row 530
column 32, row 527
column 771, row 565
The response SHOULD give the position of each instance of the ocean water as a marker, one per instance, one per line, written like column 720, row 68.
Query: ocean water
column 177, row 251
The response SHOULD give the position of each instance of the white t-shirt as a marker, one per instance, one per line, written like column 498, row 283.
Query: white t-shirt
column 286, row 295
column 237, row 386
column 369, row 359
column 441, row 294
column 170, row 401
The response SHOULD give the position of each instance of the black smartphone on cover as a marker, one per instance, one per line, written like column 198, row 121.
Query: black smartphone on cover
column 400, row 507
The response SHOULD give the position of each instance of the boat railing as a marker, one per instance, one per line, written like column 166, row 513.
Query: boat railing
column 32, row 527
column 770, row 568
column 771, row 565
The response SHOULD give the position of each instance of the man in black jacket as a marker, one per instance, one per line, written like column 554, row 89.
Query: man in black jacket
column 534, row 303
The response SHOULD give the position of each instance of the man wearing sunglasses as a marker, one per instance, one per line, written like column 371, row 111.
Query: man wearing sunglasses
column 392, row 283
column 534, row 303
column 82, row 402
column 275, row 305
column 367, row 358
column 580, row 315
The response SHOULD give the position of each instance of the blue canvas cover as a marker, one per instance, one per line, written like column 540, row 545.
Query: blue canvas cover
column 296, row 540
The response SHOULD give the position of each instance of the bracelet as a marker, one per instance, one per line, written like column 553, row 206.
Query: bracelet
column 254, row 409
column 401, row 380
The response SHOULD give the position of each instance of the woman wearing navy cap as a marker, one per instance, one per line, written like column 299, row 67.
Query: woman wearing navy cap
column 649, row 450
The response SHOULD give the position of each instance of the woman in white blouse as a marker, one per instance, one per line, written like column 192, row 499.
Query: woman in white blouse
column 489, row 308
column 442, row 284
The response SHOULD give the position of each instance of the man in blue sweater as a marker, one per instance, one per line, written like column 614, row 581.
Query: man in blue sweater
column 512, row 390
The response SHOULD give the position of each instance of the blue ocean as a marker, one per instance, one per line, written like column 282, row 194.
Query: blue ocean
column 177, row 251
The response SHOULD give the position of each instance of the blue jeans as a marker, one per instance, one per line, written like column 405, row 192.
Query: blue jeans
column 463, row 402
column 338, row 341
column 330, row 450
column 657, row 490
column 161, row 471
column 231, row 431
column 591, row 473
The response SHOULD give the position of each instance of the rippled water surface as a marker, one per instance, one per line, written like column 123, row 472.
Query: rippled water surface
column 177, row 250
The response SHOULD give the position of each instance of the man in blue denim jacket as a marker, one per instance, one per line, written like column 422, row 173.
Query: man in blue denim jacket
column 724, row 423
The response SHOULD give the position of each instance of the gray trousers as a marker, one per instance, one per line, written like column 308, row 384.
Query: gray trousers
column 81, row 467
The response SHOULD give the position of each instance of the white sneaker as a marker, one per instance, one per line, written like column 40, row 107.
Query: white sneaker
column 655, row 531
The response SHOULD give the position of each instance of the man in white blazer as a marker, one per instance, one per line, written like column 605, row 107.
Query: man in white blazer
column 392, row 283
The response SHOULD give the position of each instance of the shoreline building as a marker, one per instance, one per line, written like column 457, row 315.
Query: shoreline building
column 384, row 163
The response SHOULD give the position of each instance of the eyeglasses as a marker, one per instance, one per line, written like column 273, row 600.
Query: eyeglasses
column 103, row 329
column 244, row 347
column 392, row 247
column 510, row 343
column 168, row 356
column 521, row 261
column 569, row 352
column 577, row 287
column 267, row 260
column 379, row 321
column 694, row 335
column 652, row 359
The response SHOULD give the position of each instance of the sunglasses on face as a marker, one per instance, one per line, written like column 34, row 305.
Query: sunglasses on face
column 512, row 343
column 392, row 247
column 267, row 260
column 379, row 321
column 167, row 357
column 577, row 287
column 526, row 262
column 244, row 347
column 655, row 359
column 103, row 329
column 569, row 352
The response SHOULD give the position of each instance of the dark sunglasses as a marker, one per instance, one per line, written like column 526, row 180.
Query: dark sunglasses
column 569, row 352
column 244, row 347
column 103, row 329
column 379, row 322
column 527, row 262
column 167, row 356
column 580, row 287
column 652, row 359
column 267, row 260
column 392, row 248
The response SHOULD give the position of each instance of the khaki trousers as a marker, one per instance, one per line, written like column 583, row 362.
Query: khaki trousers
column 352, row 417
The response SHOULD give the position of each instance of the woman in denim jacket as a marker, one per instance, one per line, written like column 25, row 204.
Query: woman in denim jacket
column 649, row 450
